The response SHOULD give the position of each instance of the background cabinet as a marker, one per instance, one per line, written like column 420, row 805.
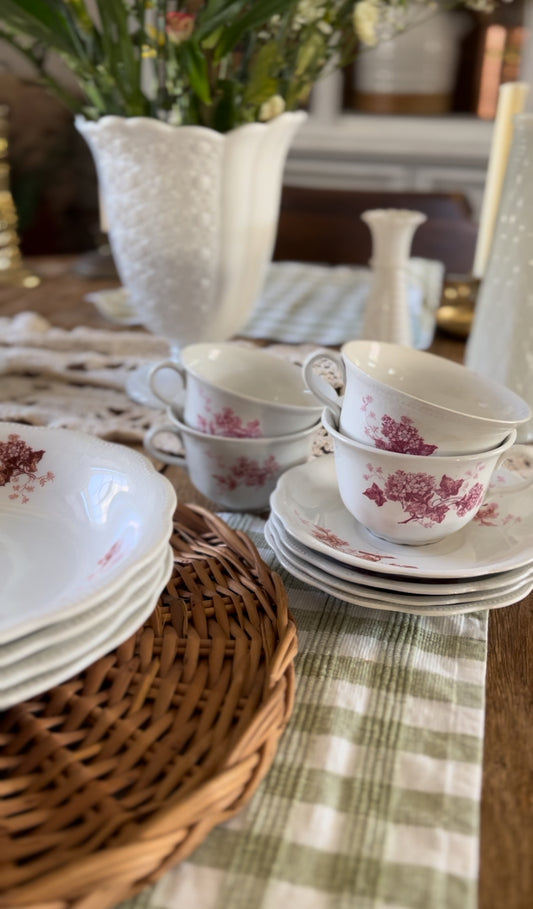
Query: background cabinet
column 339, row 148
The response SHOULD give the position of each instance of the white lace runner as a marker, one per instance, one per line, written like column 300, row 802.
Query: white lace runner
column 77, row 379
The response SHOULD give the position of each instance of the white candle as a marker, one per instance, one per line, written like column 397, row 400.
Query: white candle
column 511, row 101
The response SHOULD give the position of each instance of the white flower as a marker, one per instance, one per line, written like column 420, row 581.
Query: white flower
column 307, row 13
column 482, row 6
column 272, row 108
column 366, row 16
column 310, row 10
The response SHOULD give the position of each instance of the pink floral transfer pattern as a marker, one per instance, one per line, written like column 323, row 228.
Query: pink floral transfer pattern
column 394, row 435
column 424, row 499
column 489, row 515
column 111, row 557
column 226, row 422
column 318, row 532
column 18, row 468
column 248, row 472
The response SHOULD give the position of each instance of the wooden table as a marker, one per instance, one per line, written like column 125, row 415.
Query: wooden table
column 506, row 879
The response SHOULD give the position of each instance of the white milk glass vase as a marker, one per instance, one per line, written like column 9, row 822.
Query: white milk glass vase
column 192, row 216
column 386, row 316
column 501, row 339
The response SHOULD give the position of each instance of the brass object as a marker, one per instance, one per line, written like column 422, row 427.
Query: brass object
column 12, row 269
column 417, row 104
column 456, row 311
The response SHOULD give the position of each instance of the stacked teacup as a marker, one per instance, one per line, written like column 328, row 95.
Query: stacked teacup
column 416, row 437
column 242, row 417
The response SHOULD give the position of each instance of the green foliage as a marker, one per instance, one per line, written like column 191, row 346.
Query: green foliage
column 219, row 63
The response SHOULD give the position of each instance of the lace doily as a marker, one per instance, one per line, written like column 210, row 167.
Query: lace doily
column 77, row 379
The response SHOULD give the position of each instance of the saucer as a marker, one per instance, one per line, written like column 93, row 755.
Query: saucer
column 392, row 603
column 307, row 501
column 367, row 578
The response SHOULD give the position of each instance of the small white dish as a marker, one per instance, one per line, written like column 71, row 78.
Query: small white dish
column 114, row 304
column 55, row 674
column 78, row 516
column 366, row 578
column 391, row 604
column 499, row 538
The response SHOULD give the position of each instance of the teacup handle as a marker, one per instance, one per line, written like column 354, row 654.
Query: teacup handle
column 165, row 364
column 514, row 451
column 319, row 386
column 166, row 456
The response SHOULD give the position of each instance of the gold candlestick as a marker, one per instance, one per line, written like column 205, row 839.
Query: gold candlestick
column 12, row 269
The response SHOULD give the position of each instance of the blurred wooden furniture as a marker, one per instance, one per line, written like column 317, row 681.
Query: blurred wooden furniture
column 324, row 225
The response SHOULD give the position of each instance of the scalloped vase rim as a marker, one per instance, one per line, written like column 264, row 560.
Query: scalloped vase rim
column 162, row 125
column 191, row 246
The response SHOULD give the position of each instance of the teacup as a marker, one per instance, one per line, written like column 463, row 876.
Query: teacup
column 236, row 474
column 411, row 499
column 405, row 400
column 240, row 392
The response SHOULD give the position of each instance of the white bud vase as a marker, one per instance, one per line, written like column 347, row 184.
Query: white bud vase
column 501, row 340
column 387, row 316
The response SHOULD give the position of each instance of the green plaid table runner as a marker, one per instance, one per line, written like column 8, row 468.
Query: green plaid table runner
column 373, row 797
column 301, row 302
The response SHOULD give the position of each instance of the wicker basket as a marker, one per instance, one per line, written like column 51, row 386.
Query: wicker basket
column 111, row 778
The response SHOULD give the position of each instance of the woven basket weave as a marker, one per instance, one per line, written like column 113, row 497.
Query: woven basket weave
column 109, row 779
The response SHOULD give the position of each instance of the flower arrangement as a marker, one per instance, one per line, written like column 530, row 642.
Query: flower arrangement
column 219, row 63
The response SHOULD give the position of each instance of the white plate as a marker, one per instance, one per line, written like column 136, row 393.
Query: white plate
column 78, row 514
column 66, row 628
column 44, row 679
column 307, row 501
column 369, row 595
column 391, row 605
column 73, row 634
column 367, row 578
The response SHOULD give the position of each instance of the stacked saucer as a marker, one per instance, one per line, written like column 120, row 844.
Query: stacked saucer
column 84, row 552
column 486, row 564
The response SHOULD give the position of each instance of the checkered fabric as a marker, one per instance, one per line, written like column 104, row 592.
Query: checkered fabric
column 373, row 797
column 301, row 302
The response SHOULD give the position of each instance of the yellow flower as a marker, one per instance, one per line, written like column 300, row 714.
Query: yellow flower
column 271, row 108
column 366, row 17
column 156, row 36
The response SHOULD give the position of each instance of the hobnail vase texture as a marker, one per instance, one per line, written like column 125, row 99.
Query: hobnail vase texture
column 192, row 217
column 501, row 340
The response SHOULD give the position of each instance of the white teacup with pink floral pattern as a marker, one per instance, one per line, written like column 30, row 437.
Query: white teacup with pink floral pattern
column 236, row 474
column 239, row 392
column 407, row 498
column 404, row 400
